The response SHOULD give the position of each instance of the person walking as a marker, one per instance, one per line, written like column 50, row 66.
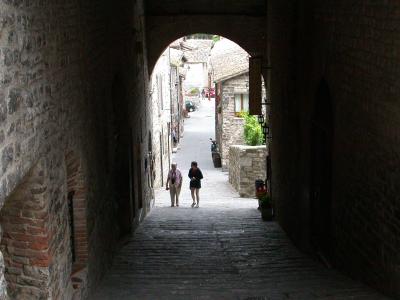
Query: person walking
column 174, row 184
column 174, row 138
column 195, row 176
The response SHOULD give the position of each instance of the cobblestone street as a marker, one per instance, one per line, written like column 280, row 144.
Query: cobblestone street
column 222, row 250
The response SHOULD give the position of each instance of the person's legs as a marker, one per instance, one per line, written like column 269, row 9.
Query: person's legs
column 172, row 193
column 177, row 192
column 192, row 190
column 198, row 197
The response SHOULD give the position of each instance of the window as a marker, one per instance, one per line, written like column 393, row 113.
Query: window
column 241, row 103
column 70, row 199
column 76, row 200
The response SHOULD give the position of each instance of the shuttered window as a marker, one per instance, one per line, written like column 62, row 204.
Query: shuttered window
column 241, row 103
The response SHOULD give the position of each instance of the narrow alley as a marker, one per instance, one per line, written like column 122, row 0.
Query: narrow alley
column 222, row 250
column 93, row 97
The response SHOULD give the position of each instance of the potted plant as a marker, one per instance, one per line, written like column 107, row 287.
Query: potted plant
column 261, row 190
column 266, row 206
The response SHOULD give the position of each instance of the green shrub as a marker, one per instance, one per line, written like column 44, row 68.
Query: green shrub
column 253, row 134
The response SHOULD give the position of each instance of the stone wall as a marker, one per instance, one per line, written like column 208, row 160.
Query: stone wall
column 35, row 242
column 74, row 77
column 349, row 48
column 247, row 164
column 68, row 82
column 230, row 126
column 161, row 104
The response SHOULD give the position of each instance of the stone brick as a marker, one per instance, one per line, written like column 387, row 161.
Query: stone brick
column 47, row 49
column 59, row 63
column 7, row 157
column 247, row 165
column 349, row 49
column 3, row 111
column 14, row 100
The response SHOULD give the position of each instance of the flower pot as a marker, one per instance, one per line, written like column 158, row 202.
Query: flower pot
column 266, row 213
column 216, row 158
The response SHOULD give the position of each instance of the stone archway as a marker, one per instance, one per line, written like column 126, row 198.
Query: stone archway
column 247, row 31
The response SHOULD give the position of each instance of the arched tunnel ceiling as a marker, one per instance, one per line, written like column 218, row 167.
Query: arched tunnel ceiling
column 242, row 21
column 206, row 7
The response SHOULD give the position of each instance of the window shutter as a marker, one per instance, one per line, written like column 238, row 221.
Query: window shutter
column 255, row 85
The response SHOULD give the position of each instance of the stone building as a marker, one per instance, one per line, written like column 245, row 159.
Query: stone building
column 196, row 63
column 167, row 104
column 75, row 125
column 161, row 96
column 229, row 69
column 177, row 78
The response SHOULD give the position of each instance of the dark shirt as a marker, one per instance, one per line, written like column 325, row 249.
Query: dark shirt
column 198, row 175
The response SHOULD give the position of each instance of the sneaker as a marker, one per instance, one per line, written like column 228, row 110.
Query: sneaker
column 197, row 206
column 177, row 205
column 172, row 205
column 193, row 204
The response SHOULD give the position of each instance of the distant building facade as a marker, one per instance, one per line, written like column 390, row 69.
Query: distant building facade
column 233, row 99
column 197, row 53
column 177, row 77
column 167, row 104
column 161, row 103
column 229, row 66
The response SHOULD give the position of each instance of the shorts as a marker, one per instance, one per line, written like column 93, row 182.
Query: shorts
column 195, row 184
